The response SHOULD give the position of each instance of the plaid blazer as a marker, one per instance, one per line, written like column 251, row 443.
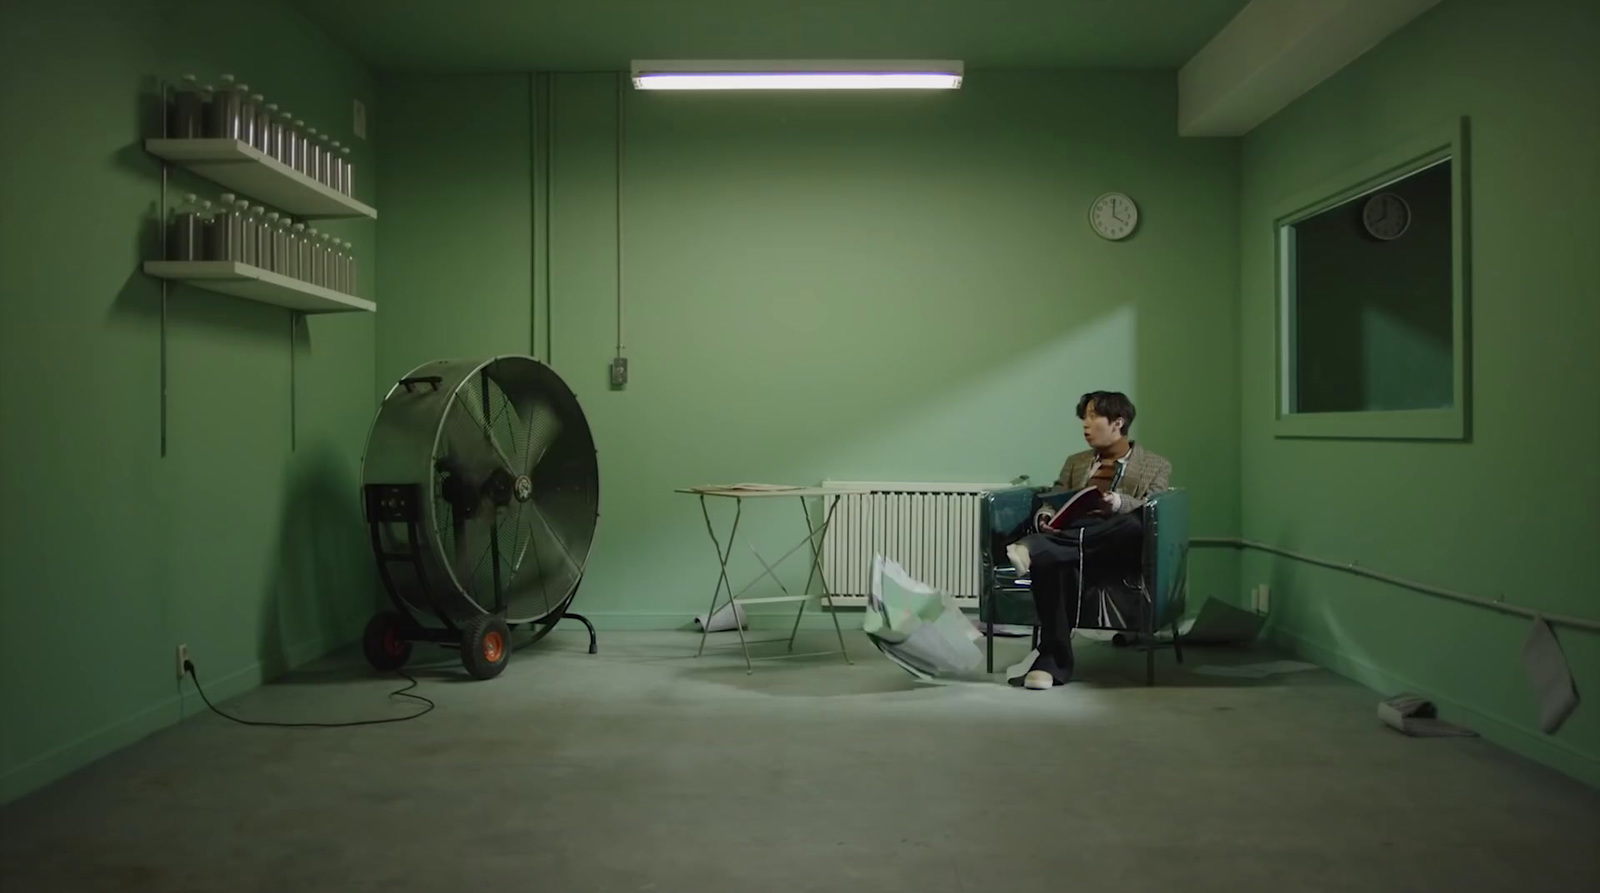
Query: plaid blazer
column 1144, row 474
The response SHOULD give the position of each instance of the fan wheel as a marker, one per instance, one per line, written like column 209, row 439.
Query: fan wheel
column 485, row 646
column 384, row 641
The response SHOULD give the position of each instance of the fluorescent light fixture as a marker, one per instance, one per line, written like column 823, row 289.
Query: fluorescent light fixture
column 746, row 74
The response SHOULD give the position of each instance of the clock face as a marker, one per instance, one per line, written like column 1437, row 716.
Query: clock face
column 1114, row 215
column 1386, row 216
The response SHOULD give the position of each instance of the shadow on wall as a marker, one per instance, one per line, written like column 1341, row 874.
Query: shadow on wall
column 325, row 586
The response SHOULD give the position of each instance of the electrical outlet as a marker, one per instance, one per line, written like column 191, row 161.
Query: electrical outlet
column 358, row 119
column 1265, row 605
column 183, row 658
column 619, row 372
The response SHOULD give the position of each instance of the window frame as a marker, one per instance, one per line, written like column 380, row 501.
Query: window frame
column 1446, row 142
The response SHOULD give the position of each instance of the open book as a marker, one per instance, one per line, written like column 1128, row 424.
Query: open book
column 1088, row 501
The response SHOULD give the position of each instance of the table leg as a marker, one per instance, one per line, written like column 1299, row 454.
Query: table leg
column 816, row 571
column 722, row 578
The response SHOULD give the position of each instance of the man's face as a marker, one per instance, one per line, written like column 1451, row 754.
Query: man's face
column 1098, row 430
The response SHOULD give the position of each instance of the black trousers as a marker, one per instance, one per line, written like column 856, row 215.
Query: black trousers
column 1054, row 574
column 1055, row 560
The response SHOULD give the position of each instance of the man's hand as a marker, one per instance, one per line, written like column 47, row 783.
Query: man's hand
column 1114, row 501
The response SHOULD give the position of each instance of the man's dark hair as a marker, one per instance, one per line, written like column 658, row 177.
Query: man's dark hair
column 1110, row 405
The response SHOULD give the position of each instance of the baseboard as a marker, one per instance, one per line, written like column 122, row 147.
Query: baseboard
column 1514, row 737
column 68, row 758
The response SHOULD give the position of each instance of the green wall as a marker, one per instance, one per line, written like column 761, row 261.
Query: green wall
column 1510, row 513
column 248, row 551
column 858, row 287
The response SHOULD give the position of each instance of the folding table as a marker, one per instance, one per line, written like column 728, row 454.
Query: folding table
column 814, row 534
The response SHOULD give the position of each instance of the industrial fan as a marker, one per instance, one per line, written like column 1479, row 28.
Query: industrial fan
column 481, row 493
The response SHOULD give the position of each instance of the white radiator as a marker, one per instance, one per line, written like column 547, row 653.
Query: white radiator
column 930, row 529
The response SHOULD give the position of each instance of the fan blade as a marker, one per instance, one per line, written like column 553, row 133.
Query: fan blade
column 473, row 445
column 543, row 427
column 542, row 522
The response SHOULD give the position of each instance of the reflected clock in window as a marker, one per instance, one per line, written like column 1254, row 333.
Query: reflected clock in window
column 1386, row 216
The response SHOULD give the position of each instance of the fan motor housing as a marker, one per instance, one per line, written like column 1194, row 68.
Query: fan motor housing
column 500, row 463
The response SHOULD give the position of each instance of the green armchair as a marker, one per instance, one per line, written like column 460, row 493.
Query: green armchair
column 1138, row 590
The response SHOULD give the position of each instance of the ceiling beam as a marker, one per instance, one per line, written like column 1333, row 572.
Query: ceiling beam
column 1273, row 52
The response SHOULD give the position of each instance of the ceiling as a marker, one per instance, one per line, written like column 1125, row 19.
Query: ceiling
column 522, row 35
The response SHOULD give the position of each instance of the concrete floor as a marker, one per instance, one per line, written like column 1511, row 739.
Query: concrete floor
column 642, row 768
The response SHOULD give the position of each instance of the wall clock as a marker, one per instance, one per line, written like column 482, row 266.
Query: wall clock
column 1113, row 216
column 1386, row 216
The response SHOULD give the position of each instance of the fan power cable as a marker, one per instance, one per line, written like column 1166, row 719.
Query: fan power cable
column 402, row 692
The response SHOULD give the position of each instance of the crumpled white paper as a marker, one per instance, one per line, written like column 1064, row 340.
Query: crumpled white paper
column 723, row 619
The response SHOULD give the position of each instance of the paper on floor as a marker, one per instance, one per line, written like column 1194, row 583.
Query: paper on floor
column 1416, row 716
column 918, row 627
column 723, row 619
column 1549, row 676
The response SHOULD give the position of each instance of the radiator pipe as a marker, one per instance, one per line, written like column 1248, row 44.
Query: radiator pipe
column 1351, row 567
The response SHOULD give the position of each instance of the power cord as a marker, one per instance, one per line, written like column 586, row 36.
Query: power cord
column 188, row 667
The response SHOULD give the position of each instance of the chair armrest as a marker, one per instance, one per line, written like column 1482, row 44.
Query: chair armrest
column 1005, row 509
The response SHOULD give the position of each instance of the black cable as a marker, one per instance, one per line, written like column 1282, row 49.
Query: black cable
column 188, row 667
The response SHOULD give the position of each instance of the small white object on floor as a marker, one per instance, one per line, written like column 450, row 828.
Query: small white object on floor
column 1412, row 715
column 723, row 619
column 1255, row 671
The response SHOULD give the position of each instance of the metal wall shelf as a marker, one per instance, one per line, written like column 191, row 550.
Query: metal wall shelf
column 250, row 172
column 245, row 281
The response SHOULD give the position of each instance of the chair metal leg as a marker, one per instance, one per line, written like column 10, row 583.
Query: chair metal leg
column 989, row 646
column 1177, row 641
column 1150, row 648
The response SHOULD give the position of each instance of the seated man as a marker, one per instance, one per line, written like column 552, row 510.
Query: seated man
column 1127, row 474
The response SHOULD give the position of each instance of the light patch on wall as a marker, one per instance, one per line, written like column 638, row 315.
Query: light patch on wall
column 1017, row 418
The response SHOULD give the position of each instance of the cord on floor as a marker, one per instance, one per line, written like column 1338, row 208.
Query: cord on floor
column 403, row 692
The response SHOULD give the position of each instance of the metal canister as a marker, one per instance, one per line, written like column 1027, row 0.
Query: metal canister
column 261, row 122
column 336, row 166
column 313, row 153
column 223, row 120
column 266, row 242
column 271, row 130
column 248, row 226
column 319, row 258
column 255, row 234
column 224, row 231
column 300, row 147
column 186, row 112
column 247, row 115
column 296, row 242
column 324, row 161
column 302, row 258
column 349, row 172
column 286, row 139
column 186, row 232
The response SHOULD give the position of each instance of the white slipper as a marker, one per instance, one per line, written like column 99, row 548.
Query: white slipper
column 1038, row 680
column 1018, row 553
